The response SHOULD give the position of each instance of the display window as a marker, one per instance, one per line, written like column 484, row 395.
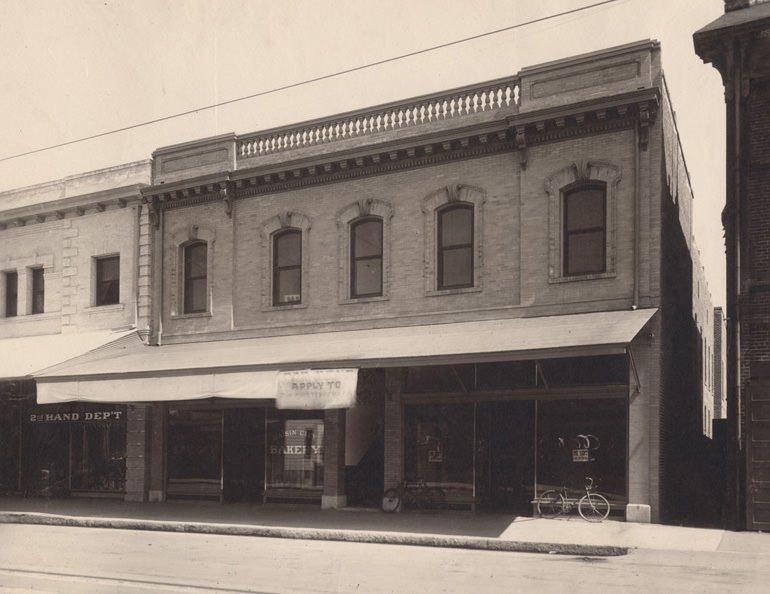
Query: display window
column 578, row 439
column 194, row 452
column 439, row 444
column 295, row 451
column 75, row 448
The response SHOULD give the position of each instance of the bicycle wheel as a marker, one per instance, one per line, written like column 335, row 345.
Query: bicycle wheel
column 435, row 498
column 391, row 501
column 593, row 507
column 550, row 504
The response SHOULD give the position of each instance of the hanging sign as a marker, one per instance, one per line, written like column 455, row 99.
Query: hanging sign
column 316, row 389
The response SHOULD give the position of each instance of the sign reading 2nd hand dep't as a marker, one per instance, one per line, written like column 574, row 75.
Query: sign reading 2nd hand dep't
column 316, row 389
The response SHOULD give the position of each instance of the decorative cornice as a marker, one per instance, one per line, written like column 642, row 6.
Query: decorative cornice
column 514, row 133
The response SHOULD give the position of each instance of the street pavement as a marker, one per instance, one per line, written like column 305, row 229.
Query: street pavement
column 444, row 528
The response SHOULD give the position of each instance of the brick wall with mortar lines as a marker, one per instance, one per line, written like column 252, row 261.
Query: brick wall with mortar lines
column 181, row 225
column 112, row 232
column 33, row 246
column 755, row 281
column 514, row 281
column 615, row 148
column 65, row 249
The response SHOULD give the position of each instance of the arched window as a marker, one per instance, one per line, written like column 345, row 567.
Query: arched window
column 195, row 277
column 455, row 246
column 366, row 257
column 287, row 267
column 585, row 228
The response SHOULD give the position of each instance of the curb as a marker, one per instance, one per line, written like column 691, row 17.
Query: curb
column 358, row 536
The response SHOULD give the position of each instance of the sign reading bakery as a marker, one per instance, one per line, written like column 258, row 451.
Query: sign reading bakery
column 316, row 389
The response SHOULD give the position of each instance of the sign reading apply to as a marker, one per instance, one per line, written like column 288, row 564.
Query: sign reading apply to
column 316, row 389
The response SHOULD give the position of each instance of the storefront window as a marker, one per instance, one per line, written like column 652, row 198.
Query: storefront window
column 76, row 448
column 439, row 444
column 579, row 439
column 98, row 457
column 295, row 451
column 194, row 452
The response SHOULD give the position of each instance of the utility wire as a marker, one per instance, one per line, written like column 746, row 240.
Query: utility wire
column 312, row 80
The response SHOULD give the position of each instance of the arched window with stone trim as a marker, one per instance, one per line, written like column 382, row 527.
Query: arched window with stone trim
column 582, row 213
column 195, row 289
column 287, row 267
column 585, row 229
column 455, row 246
column 453, row 239
column 366, row 257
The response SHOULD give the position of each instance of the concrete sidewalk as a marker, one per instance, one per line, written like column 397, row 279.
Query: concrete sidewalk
column 446, row 528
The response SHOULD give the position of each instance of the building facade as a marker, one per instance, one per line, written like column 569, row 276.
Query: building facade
column 737, row 45
column 70, row 257
column 492, row 290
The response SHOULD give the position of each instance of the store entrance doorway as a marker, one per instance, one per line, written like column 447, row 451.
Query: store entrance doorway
column 505, row 455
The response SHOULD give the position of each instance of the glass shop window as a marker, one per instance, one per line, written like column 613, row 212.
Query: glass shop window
column 295, row 451
column 439, row 444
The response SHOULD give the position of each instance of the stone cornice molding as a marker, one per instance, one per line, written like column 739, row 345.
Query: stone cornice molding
column 510, row 133
column 55, row 210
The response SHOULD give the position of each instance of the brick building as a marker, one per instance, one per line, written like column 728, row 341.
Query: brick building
column 738, row 46
column 491, row 289
column 69, row 263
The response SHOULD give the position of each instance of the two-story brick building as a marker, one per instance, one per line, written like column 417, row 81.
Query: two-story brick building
column 489, row 289
column 69, row 264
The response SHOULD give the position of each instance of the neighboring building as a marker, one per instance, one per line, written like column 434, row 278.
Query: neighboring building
column 68, row 280
column 492, row 289
column 738, row 45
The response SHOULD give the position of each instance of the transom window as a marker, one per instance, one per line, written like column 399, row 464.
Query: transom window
column 108, row 280
column 455, row 246
column 195, row 277
column 38, row 291
column 366, row 257
column 585, row 230
column 287, row 267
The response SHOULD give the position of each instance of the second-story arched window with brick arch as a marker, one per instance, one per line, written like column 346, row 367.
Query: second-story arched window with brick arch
column 195, row 256
column 455, row 246
column 287, row 267
column 366, row 257
column 453, row 239
column 582, row 221
column 585, row 229
column 364, row 250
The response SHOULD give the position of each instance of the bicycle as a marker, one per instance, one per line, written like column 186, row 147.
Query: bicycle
column 416, row 493
column 592, row 507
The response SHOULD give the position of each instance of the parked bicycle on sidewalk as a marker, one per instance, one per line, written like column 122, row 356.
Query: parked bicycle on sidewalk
column 412, row 493
column 592, row 507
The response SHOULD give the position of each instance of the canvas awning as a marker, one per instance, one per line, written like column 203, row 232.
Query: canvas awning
column 23, row 356
column 248, row 368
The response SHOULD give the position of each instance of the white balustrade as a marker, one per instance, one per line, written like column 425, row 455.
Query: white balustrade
column 459, row 103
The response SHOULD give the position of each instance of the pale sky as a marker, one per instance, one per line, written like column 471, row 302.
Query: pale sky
column 76, row 68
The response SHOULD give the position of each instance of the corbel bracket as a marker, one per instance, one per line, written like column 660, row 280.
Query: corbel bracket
column 227, row 195
column 521, row 145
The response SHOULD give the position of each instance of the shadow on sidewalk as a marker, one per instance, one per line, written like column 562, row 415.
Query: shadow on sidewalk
column 445, row 522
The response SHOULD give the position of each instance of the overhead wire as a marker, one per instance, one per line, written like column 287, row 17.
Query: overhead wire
column 312, row 80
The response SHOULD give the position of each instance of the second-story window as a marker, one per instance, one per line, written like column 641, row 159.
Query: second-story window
column 11, row 294
column 108, row 280
column 584, row 230
column 38, row 291
column 366, row 257
column 287, row 267
column 455, row 246
column 195, row 277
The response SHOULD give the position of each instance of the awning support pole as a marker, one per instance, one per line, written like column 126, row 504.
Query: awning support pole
column 634, row 370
